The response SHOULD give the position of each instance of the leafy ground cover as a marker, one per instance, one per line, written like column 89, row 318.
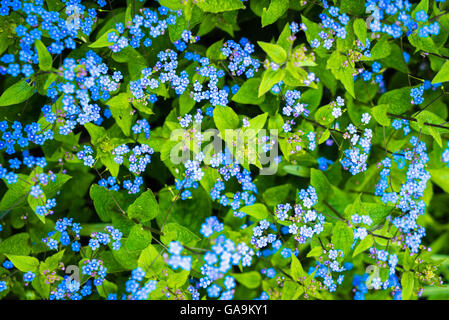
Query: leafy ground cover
column 224, row 149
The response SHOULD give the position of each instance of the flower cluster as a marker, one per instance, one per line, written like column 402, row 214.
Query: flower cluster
column 134, row 287
column 139, row 157
column 329, row 264
column 239, row 56
column 23, row 136
column 210, row 226
column 86, row 155
column 355, row 158
column 166, row 67
column 94, row 268
column 100, row 238
column 176, row 260
column 336, row 23
column 360, row 231
column 381, row 11
column 224, row 254
column 66, row 233
column 409, row 199
column 85, row 82
column 144, row 26
column 260, row 240
column 112, row 106
column 61, row 28
column 211, row 76
column 228, row 169
column 71, row 289
column 293, row 108
column 417, row 93
column 306, row 222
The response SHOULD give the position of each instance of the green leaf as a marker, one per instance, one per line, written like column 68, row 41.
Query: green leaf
column 145, row 208
column 336, row 64
column 127, row 259
column 296, row 269
column 225, row 118
column 423, row 44
column 377, row 211
column 284, row 39
column 380, row 50
column 291, row 290
column 274, row 51
column 275, row 122
column 138, row 238
column 172, row 4
column 269, row 79
column 34, row 202
column 354, row 7
column 45, row 60
column 346, row 44
column 52, row 262
column 106, row 288
column 424, row 118
column 52, row 189
column 42, row 286
column 313, row 29
column 276, row 195
column 107, row 201
column 177, row 279
column 324, row 136
column 247, row 93
column 360, row 30
column 443, row 74
column 407, row 283
column 24, row 263
column 214, row 51
column 363, row 245
column 190, row 212
column 275, row 10
column 173, row 231
column 398, row 100
column 315, row 252
column 175, row 30
column 319, row 181
column 220, row 5
column 16, row 194
column 17, row 93
column 103, row 40
column 380, row 114
column 441, row 178
column 258, row 211
column 97, row 133
column 186, row 103
column 250, row 279
column 297, row 170
column 151, row 261
column 121, row 111
column 257, row 123
column 18, row 244
column 342, row 237
column 324, row 115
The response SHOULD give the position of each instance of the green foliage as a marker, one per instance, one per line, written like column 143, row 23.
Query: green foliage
column 45, row 59
column 274, row 51
column 275, row 10
column 145, row 208
column 317, row 141
column 443, row 74
column 17, row 93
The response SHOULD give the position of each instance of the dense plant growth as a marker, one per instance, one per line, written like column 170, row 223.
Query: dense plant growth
column 224, row 149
